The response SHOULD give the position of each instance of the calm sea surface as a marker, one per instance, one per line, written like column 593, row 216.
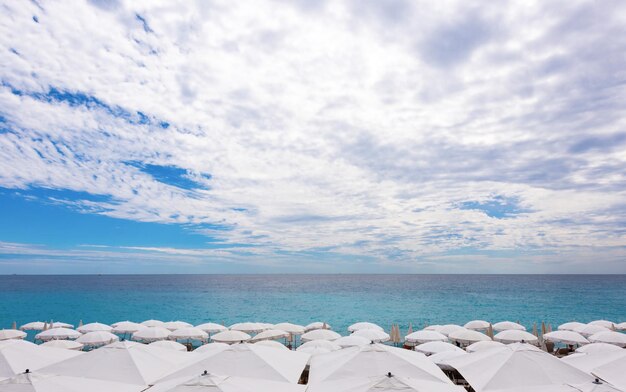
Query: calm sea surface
column 337, row 299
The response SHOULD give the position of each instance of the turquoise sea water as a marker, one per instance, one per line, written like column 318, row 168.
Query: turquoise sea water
column 337, row 299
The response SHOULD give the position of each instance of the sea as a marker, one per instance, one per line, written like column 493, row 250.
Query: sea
column 338, row 300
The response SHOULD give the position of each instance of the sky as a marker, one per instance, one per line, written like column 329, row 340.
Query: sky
column 303, row 136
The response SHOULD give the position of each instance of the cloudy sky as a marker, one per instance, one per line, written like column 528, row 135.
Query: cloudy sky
column 313, row 136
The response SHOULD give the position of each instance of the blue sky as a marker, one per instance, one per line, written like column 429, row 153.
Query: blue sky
column 312, row 136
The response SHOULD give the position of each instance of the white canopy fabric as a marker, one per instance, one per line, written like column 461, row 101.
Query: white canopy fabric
column 124, row 362
column 588, row 362
column 603, row 323
column 352, row 340
column 383, row 383
column 57, row 333
column 169, row 345
column 327, row 344
column 316, row 325
column 151, row 334
column 230, row 337
column 18, row 355
column 468, row 336
column 565, row 336
column 63, row 344
column 514, row 336
column 434, row 327
column 425, row 336
column 598, row 348
column 613, row 371
column 211, row 327
column 94, row 327
column 6, row 334
column 293, row 329
column 38, row 382
column 97, row 338
column 248, row 327
column 189, row 333
column 508, row 325
column 272, row 343
column 207, row 348
column 33, row 326
column 449, row 328
column 621, row 326
column 440, row 359
column 589, row 330
column 373, row 335
column 153, row 323
column 320, row 334
column 364, row 325
column 313, row 351
column 270, row 334
column 248, row 360
column 213, row 383
column 517, row 365
column 59, row 324
column 372, row 360
column 571, row 326
column 477, row 325
column 436, row 347
column 174, row 325
column 610, row 337
column 480, row 346
column 127, row 327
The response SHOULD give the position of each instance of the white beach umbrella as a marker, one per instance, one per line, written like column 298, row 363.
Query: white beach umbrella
column 313, row 351
column 516, row 367
column 440, row 359
column 327, row 344
column 621, row 326
column 248, row 327
column 449, row 328
column 383, row 383
column 174, row 325
column 33, row 326
column 610, row 337
column 18, row 355
column 477, row 325
column 248, row 360
column 480, row 346
column 124, row 327
column 507, row 326
column 371, row 360
column 566, row 337
column 272, row 343
column 270, row 334
column 211, row 327
column 603, row 323
column 63, row 344
column 468, row 336
column 352, row 340
column 434, row 327
column 230, row 337
column 168, row 345
column 598, row 348
column 364, row 325
column 189, row 333
column 6, row 334
column 97, row 338
column 320, row 334
column 94, row 327
column 613, row 370
column 515, row 336
column 293, row 329
column 59, row 324
column 589, row 330
column 151, row 334
column 152, row 323
column 316, row 325
column 436, row 347
column 571, row 326
column 213, row 383
column 57, row 333
column 211, row 347
column 38, row 382
column 425, row 336
column 373, row 335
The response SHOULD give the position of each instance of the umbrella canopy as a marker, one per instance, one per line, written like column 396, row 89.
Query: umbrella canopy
column 58, row 324
column 174, row 325
column 598, row 348
column 364, row 325
column 449, row 328
column 320, row 334
column 508, row 325
column 316, row 325
column 293, row 329
column 514, row 336
column 436, row 347
column 207, row 348
column 212, row 383
column 480, row 346
column 270, row 334
column 63, row 344
column 248, row 360
column 168, row 345
column 189, row 333
column 352, row 340
column 609, row 366
column 272, row 343
column 371, row 360
column 589, row 330
column 94, row 327
column 621, row 326
column 564, row 336
column 127, row 327
column 6, row 334
column 211, row 327
column 440, row 359
column 39, row 382
column 57, row 333
column 249, row 327
column 326, row 344
column 603, row 323
column 125, row 362
column 373, row 335
column 610, row 337
column 313, row 351
column 18, row 355
column 152, row 323
column 151, row 334
column 425, row 336
column 468, row 336
column 33, row 326
column 97, row 338
column 434, row 327
column 571, row 326
column 230, row 337
column 517, row 365
column 477, row 325
column 383, row 383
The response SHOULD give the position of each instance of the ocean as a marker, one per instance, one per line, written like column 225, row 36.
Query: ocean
column 339, row 300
